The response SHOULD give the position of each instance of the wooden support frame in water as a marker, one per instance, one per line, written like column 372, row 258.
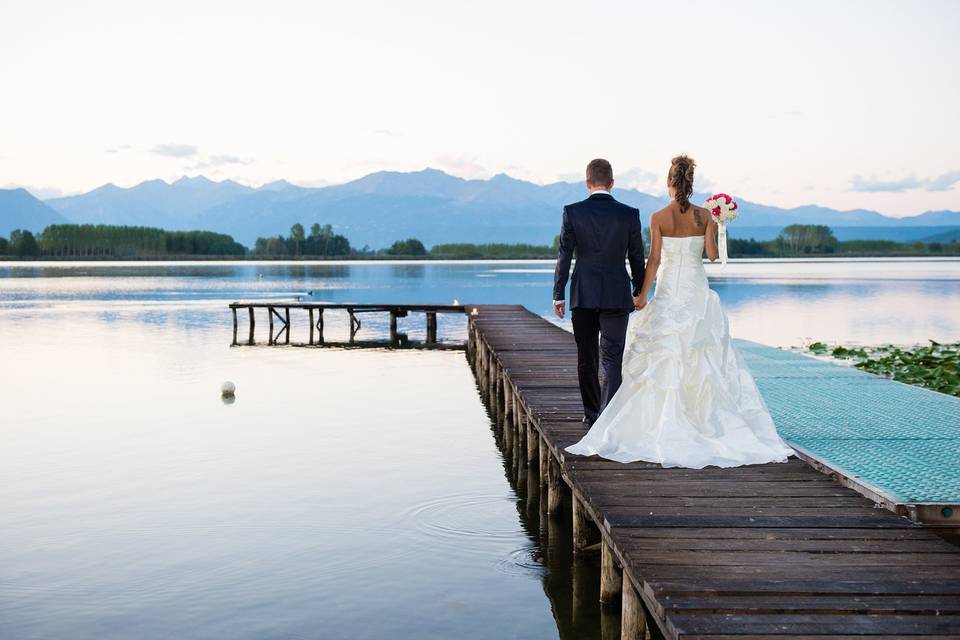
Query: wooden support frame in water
column 279, row 312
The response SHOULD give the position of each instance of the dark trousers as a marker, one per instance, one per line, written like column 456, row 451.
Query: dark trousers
column 600, row 335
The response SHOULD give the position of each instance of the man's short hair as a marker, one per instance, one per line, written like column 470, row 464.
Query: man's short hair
column 599, row 173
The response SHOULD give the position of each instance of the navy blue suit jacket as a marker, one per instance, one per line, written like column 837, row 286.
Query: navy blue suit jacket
column 602, row 233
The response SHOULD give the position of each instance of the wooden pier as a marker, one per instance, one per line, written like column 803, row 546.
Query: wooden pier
column 278, row 319
column 777, row 550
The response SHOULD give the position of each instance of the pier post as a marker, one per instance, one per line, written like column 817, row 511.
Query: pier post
column 270, row 325
column 253, row 323
column 507, row 404
column 554, row 495
column 482, row 369
column 609, row 624
column 611, row 577
column 491, row 380
column 311, row 325
column 432, row 328
column 286, row 314
column 633, row 623
column 393, row 327
column 521, row 435
column 533, row 442
column 544, row 454
column 581, row 526
column 320, row 326
column 234, row 343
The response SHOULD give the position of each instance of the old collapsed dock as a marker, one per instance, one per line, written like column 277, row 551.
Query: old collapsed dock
column 759, row 551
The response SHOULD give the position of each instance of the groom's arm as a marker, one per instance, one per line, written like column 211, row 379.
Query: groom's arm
column 564, row 257
column 635, row 254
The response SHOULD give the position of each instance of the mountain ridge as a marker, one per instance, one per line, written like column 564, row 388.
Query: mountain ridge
column 429, row 204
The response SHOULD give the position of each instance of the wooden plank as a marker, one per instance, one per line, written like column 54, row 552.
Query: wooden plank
column 741, row 624
column 832, row 603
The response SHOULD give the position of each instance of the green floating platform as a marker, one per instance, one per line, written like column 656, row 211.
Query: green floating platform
column 897, row 441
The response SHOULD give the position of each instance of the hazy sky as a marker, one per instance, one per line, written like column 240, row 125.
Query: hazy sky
column 845, row 104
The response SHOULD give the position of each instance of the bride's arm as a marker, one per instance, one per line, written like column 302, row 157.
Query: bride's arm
column 653, row 263
column 710, row 238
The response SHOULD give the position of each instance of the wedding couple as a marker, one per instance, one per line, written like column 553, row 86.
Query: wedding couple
column 664, row 383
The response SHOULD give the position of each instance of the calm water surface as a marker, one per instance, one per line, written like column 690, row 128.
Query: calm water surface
column 345, row 494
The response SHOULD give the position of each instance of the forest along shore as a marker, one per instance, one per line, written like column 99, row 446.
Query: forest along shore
column 112, row 242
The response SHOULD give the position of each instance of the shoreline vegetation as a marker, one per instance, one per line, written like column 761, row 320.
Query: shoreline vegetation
column 79, row 242
column 935, row 366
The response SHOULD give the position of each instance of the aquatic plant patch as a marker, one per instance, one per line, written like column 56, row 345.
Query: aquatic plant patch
column 935, row 366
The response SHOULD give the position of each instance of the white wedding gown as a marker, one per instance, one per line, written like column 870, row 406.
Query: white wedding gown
column 687, row 398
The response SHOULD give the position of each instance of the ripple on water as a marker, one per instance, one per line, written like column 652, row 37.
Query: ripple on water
column 465, row 520
column 525, row 561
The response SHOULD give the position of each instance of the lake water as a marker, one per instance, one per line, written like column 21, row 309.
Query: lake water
column 345, row 493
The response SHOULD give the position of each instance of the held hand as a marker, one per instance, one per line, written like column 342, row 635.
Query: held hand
column 639, row 302
column 560, row 308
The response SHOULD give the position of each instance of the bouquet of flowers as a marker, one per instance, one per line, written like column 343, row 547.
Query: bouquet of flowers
column 723, row 208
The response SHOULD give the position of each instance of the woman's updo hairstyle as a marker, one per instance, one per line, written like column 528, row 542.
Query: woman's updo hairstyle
column 680, row 178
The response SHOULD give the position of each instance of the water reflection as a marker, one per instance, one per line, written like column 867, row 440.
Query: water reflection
column 779, row 303
column 571, row 584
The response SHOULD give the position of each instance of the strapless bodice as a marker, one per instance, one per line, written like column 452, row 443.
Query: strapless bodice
column 682, row 252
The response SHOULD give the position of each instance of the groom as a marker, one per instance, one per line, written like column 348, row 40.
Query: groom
column 602, row 232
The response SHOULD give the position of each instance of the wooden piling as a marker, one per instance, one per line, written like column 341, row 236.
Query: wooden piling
column 533, row 442
column 581, row 526
column 431, row 327
column 286, row 313
column 544, row 455
column 611, row 577
column 253, row 323
column 393, row 327
column 311, row 325
column 554, row 489
column 270, row 324
column 633, row 623
column 507, row 405
column 234, row 327
column 320, row 326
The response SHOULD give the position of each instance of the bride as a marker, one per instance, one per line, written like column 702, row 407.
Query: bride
column 687, row 398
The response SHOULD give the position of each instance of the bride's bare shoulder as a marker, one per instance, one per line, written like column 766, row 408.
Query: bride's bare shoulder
column 661, row 214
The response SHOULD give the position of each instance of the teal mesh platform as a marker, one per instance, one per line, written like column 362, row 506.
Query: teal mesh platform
column 901, row 439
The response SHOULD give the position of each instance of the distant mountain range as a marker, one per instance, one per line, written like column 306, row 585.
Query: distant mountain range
column 430, row 205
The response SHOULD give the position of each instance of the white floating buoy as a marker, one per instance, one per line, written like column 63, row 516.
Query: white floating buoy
column 228, row 389
column 456, row 302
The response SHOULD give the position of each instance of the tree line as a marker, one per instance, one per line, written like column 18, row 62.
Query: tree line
column 114, row 241
column 798, row 240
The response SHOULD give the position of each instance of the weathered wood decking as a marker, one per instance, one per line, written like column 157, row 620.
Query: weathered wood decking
column 761, row 551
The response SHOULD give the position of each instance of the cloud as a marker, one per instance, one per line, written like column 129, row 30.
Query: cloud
column 173, row 150
column 639, row 179
column 944, row 182
column 387, row 132
column 118, row 148
column 222, row 160
column 464, row 166
column 873, row 184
